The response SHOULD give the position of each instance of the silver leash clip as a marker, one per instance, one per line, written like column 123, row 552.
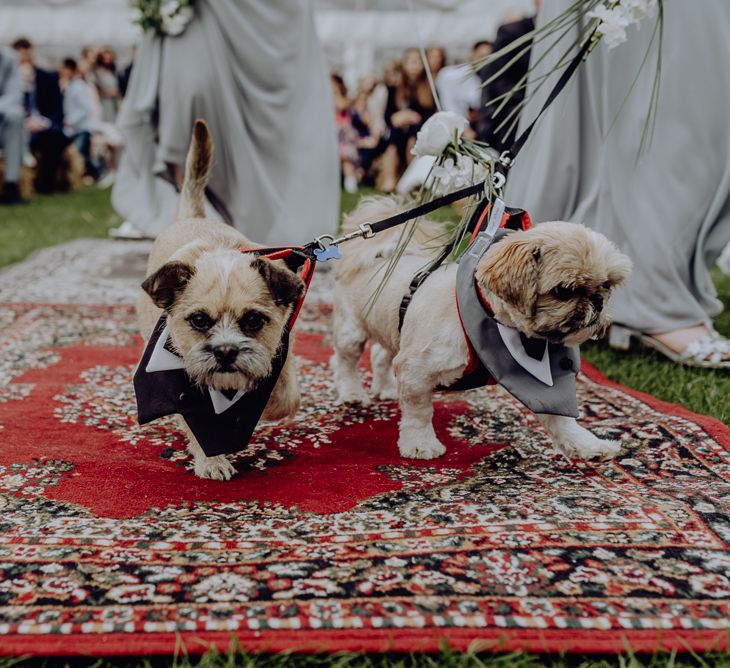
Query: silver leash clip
column 366, row 230
column 498, row 181
column 327, row 248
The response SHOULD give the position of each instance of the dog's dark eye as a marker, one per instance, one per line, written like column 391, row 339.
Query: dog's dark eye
column 563, row 293
column 606, row 285
column 200, row 321
column 252, row 322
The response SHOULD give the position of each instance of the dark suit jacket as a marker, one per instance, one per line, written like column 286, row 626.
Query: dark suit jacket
column 48, row 98
column 487, row 126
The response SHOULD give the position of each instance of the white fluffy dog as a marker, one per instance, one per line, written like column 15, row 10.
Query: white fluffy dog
column 552, row 281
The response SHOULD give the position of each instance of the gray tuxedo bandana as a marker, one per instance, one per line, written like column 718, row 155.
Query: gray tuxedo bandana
column 538, row 373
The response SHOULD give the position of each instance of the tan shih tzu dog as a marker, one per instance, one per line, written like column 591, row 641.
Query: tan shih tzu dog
column 225, row 310
column 552, row 281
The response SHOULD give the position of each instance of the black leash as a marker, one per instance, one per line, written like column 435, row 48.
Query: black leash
column 507, row 158
column 367, row 230
column 501, row 168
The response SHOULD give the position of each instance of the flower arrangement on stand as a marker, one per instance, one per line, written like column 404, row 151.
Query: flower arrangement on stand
column 164, row 17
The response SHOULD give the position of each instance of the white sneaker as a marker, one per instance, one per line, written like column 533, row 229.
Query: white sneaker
column 724, row 260
column 127, row 230
column 350, row 184
column 107, row 181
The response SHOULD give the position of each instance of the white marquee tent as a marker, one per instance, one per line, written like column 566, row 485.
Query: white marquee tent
column 358, row 34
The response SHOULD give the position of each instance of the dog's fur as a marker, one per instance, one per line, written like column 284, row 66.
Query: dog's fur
column 552, row 281
column 226, row 310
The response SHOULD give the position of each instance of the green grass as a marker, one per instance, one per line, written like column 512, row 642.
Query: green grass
column 88, row 213
column 53, row 219
column 700, row 390
column 445, row 659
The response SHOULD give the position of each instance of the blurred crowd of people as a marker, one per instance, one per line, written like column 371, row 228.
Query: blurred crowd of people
column 59, row 124
column 378, row 122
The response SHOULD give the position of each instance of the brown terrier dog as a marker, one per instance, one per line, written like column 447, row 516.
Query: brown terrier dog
column 225, row 310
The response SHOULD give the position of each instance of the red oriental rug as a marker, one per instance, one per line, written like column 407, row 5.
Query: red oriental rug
column 327, row 539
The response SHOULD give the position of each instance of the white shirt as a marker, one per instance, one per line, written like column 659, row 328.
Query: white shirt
column 78, row 107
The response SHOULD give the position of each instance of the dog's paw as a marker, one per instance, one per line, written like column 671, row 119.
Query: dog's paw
column 421, row 448
column 591, row 448
column 214, row 468
column 353, row 396
column 387, row 393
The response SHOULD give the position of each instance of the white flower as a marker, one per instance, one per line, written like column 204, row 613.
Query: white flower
column 612, row 24
column 639, row 9
column 453, row 174
column 614, row 21
column 169, row 8
column 175, row 22
column 438, row 132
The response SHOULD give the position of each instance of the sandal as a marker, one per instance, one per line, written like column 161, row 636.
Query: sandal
column 711, row 351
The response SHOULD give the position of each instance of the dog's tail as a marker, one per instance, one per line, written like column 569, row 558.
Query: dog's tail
column 197, row 170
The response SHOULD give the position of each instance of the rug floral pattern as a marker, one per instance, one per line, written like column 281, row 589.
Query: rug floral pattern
column 106, row 532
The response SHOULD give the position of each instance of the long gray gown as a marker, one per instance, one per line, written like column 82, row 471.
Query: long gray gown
column 670, row 210
column 255, row 71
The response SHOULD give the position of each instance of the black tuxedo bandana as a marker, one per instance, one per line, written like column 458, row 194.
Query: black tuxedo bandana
column 222, row 422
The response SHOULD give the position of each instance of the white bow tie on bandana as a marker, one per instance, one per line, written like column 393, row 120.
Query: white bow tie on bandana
column 540, row 369
column 164, row 360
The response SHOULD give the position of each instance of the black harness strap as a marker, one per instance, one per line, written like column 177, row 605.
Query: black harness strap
column 515, row 220
column 432, row 266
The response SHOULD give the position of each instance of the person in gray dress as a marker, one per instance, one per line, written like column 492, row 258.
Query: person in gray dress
column 12, row 128
column 668, row 208
column 254, row 70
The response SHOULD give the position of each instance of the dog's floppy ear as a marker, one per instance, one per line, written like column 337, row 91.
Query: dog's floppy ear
column 285, row 286
column 510, row 270
column 166, row 284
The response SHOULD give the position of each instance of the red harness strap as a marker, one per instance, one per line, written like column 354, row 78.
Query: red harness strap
column 305, row 271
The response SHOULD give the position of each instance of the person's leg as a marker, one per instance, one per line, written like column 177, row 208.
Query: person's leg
column 83, row 144
column 349, row 172
column 12, row 141
column 48, row 147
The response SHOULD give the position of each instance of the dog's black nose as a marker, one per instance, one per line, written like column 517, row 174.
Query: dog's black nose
column 597, row 301
column 225, row 355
